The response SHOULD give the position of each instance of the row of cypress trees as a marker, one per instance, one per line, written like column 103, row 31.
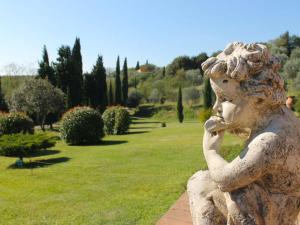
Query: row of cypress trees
column 84, row 89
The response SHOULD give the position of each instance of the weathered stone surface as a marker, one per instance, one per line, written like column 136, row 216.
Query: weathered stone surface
column 262, row 185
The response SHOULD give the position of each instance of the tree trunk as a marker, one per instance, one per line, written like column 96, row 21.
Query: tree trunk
column 43, row 123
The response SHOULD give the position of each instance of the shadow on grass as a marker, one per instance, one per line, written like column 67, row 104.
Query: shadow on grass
column 40, row 153
column 45, row 152
column 111, row 142
column 134, row 128
column 147, row 122
column 137, row 132
column 40, row 163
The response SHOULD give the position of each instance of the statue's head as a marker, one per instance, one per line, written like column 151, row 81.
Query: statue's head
column 246, row 82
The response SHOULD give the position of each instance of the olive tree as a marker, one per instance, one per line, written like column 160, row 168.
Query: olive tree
column 37, row 97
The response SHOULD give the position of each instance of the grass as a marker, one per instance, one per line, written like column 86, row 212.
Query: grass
column 129, row 179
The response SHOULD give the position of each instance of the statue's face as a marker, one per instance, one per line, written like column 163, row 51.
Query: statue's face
column 231, row 105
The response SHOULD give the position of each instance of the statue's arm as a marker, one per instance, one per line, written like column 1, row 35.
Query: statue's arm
column 255, row 161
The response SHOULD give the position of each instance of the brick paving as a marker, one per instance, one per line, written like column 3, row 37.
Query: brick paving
column 179, row 213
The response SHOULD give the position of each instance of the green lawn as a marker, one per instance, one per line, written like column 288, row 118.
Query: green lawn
column 129, row 179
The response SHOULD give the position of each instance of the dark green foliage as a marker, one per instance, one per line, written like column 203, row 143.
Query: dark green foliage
column 109, row 120
column 214, row 54
column 134, row 99
column 122, row 121
column 180, row 115
column 46, row 71
column 186, row 63
column 207, row 95
column 116, row 120
column 64, row 67
column 89, row 89
column 11, row 123
column 76, row 79
column 137, row 67
column 100, row 92
column 118, row 91
column 110, row 94
column 125, row 82
column 24, row 145
column 284, row 42
column 3, row 105
column 163, row 72
column 82, row 125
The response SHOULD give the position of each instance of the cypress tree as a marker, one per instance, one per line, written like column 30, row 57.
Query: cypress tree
column 3, row 105
column 180, row 115
column 137, row 67
column 89, row 89
column 63, row 68
column 76, row 81
column 45, row 71
column 164, row 72
column 110, row 94
column 125, row 82
column 99, row 74
column 118, row 92
column 207, row 95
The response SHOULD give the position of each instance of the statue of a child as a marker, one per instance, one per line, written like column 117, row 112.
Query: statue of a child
column 262, row 185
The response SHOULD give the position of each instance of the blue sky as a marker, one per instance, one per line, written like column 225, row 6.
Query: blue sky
column 157, row 30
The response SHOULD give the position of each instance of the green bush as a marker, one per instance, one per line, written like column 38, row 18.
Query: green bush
column 109, row 120
column 82, row 125
column 116, row 120
column 24, row 145
column 15, row 122
column 204, row 115
column 122, row 121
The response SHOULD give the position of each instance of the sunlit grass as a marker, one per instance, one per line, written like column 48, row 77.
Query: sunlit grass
column 129, row 179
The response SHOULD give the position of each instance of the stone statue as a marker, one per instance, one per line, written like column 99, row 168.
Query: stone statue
column 262, row 185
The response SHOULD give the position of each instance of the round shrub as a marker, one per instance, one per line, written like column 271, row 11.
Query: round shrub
column 109, row 120
column 15, row 122
column 24, row 145
column 82, row 125
column 116, row 120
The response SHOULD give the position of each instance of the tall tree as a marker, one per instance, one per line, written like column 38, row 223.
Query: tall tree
column 284, row 42
column 76, row 80
column 46, row 71
column 110, row 94
column 180, row 115
column 63, row 68
column 99, row 74
column 163, row 71
column 118, row 91
column 207, row 95
column 38, row 97
column 137, row 67
column 89, row 89
column 3, row 105
column 125, row 82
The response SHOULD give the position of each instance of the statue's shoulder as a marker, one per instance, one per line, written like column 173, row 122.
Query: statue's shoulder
column 268, row 139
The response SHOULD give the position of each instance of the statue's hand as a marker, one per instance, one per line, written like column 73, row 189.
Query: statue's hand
column 215, row 124
column 213, row 134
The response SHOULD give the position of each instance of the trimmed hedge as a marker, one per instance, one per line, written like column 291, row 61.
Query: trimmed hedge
column 15, row 122
column 24, row 145
column 116, row 120
column 82, row 125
